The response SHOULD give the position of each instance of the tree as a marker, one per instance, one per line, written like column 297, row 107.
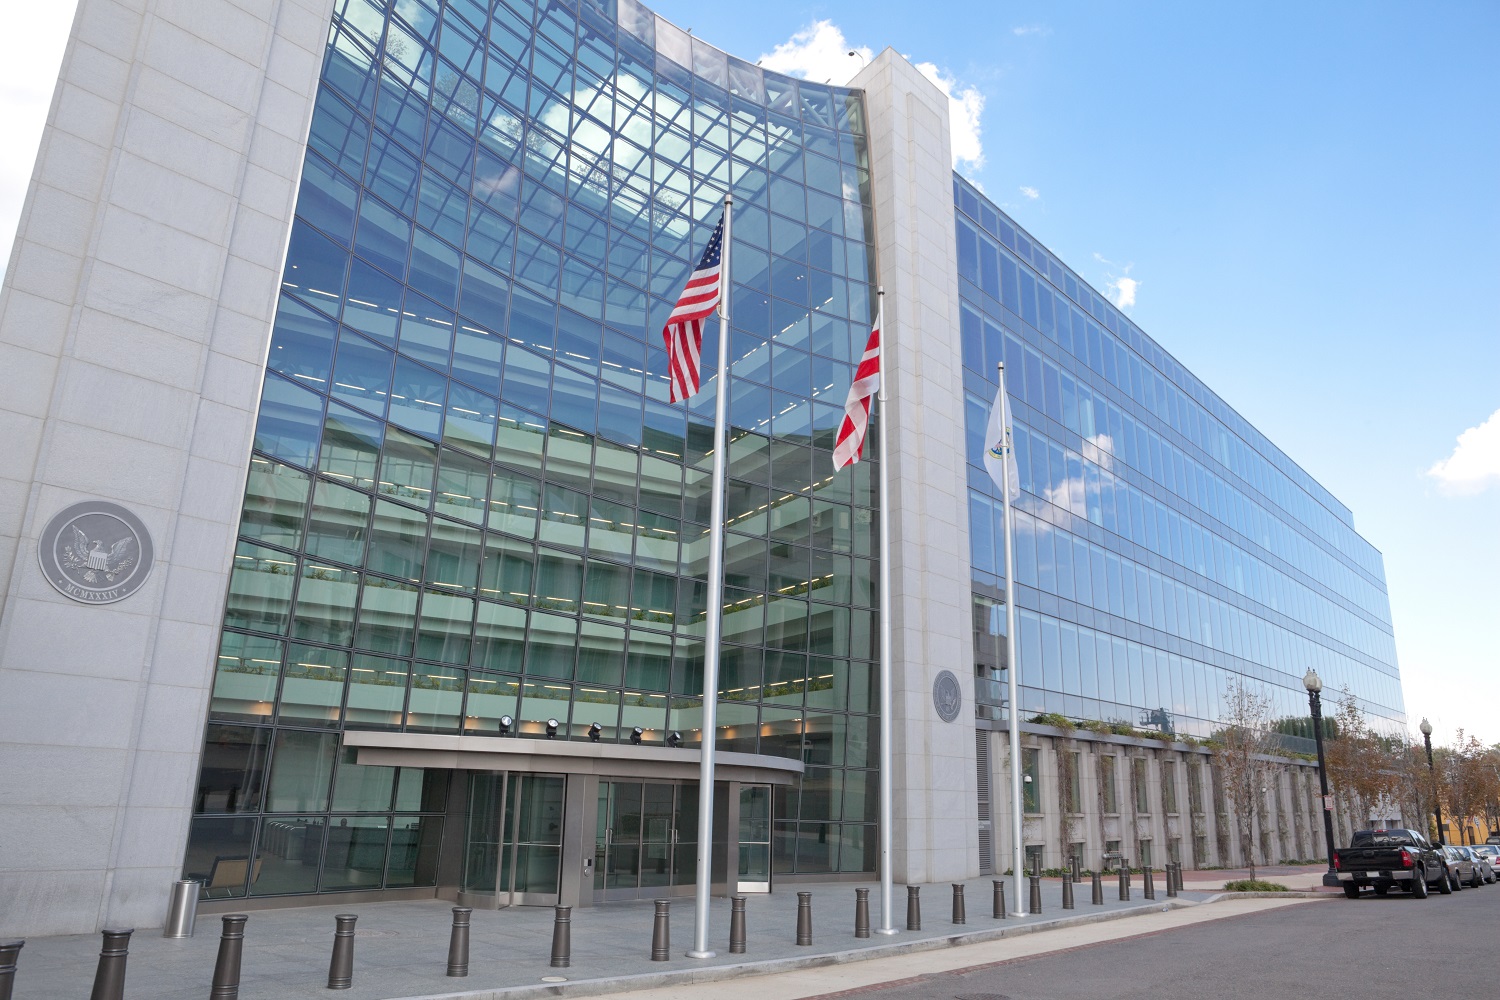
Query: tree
column 1241, row 749
column 1361, row 764
column 1467, row 781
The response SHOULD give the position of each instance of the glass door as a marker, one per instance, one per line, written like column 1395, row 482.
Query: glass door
column 645, row 839
column 514, row 838
column 755, row 838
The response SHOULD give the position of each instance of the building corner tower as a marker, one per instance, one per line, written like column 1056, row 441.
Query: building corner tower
column 134, row 328
column 935, row 836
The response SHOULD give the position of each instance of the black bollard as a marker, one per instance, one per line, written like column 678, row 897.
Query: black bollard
column 1171, row 880
column 1067, row 902
column 341, row 965
column 998, row 905
column 661, row 932
column 861, row 913
column 958, row 903
column 914, row 907
column 458, row 942
column 10, row 952
column 1036, row 894
column 109, row 978
column 804, row 918
column 226, row 985
column 1076, row 865
column 737, row 925
column 1098, row 899
column 1177, row 875
column 562, row 937
column 1148, row 883
column 1124, row 881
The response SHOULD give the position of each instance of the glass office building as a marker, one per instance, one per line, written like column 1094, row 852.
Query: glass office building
column 1163, row 545
column 469, row 500
column 357, row 321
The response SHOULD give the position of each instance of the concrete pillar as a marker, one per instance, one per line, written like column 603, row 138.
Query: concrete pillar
column 935, row 838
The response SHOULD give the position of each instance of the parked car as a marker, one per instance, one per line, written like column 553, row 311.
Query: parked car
column 1491, row 854
column 1386, row 859
column 1461, row 868
column 1482, row 865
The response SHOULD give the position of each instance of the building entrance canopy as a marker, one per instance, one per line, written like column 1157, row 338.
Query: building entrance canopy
column 521, row 754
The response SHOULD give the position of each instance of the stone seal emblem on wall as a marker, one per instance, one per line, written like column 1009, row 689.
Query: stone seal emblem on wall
column 95, row 552
column 947, row 696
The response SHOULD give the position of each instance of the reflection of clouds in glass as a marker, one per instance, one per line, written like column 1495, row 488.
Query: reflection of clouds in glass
column 1069, row 495
column 506, row 182
column 1100, row 449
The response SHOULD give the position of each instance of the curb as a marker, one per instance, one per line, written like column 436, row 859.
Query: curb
column 1289, row 894
column 719, row 973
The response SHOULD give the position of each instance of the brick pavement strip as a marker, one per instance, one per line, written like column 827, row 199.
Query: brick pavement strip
column 401, row 947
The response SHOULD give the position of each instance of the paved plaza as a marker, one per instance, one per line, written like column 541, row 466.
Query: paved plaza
column 401, row 947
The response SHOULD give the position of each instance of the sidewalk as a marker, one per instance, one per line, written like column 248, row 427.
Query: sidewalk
column 401, row 947
column 1300, row 878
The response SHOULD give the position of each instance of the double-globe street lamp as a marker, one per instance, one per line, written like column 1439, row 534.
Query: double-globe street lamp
column 1314, row 685
column 1437, row 807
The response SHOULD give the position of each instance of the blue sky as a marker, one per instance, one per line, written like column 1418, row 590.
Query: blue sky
column 1303, row 199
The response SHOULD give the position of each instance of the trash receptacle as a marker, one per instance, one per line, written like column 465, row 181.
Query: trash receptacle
column 182, row 908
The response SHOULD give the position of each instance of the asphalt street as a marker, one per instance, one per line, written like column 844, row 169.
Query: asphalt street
column 1371, row 949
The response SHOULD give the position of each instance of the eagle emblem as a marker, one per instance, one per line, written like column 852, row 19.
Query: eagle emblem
column 95, row 552
column 97, row 563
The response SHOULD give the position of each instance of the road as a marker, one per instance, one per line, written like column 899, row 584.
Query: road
column 1370, row 949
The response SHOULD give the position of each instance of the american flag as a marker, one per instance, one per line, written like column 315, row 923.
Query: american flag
column 684, row 330
column 851, row 440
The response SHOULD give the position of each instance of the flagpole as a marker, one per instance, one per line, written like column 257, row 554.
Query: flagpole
column 887, row 810
column 1012, row 669
column 712, row 640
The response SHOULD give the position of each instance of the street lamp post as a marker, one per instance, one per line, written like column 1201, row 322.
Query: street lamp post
column 1437, row 806
column 1314, row 685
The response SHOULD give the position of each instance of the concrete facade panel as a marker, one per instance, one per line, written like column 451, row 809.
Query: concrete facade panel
column 151, row 199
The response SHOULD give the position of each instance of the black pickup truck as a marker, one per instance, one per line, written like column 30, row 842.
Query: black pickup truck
column 1386, row 859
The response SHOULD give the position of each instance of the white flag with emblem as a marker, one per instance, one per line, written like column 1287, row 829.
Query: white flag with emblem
column 999, row 447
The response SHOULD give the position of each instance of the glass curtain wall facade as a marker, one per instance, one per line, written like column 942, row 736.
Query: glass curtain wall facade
column 1163, row 545
column 469, row 498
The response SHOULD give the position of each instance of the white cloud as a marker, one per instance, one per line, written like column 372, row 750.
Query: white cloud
column 1022, row 30
column 1030, row 192
column 1121, row 288
column 821, row 52
column 965, row 105
column 1475, row 462
column 818, row 52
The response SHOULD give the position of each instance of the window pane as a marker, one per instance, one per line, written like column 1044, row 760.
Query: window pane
column 414, row 851
column 245, row 681
column 275, row 503
column 286, row 859
column 233, row 772
column 218, row 855
column 301, row 770
column 377, row 692
column 355, row 856
column 312, row 686
column 260, row 589
column 437, row 694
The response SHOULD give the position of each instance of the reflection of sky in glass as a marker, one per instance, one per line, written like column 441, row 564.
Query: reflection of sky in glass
column 465, row 454
column 1172, row 546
